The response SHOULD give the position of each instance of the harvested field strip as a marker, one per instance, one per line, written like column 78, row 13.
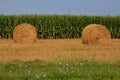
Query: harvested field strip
column 53, row 50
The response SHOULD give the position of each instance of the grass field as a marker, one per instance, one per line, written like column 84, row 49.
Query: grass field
column 37, row 70
column 59, row 59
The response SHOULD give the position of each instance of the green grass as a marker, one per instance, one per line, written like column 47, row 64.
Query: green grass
column 83, row 70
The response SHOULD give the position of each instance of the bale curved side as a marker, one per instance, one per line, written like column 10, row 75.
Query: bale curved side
column 24, row 33
column 95, row 34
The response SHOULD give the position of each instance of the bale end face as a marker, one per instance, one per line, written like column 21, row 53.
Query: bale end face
column 24, row 33
column 95, row 34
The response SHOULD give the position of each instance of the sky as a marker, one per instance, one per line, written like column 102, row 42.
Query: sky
column 73, row 7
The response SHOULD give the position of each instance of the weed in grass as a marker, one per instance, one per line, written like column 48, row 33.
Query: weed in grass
column 37, row 77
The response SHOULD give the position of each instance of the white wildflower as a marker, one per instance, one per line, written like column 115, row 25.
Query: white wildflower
column 44, row 75
column 81, row 63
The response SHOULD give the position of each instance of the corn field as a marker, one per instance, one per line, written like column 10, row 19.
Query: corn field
column 58, row 26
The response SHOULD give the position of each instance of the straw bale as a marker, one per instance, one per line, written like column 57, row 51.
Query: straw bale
column 95, row 34
column 24, row 33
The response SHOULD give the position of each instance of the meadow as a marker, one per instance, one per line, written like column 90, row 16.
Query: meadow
column 37, row 70
column 59, row 59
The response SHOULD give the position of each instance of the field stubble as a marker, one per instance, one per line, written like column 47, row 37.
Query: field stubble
column 55, row 50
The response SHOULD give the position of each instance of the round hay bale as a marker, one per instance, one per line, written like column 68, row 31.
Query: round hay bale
column 95, row 34
column 24, row 33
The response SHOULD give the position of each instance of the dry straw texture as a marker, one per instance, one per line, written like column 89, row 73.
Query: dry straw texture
column 95, row 34
column 24, row 33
